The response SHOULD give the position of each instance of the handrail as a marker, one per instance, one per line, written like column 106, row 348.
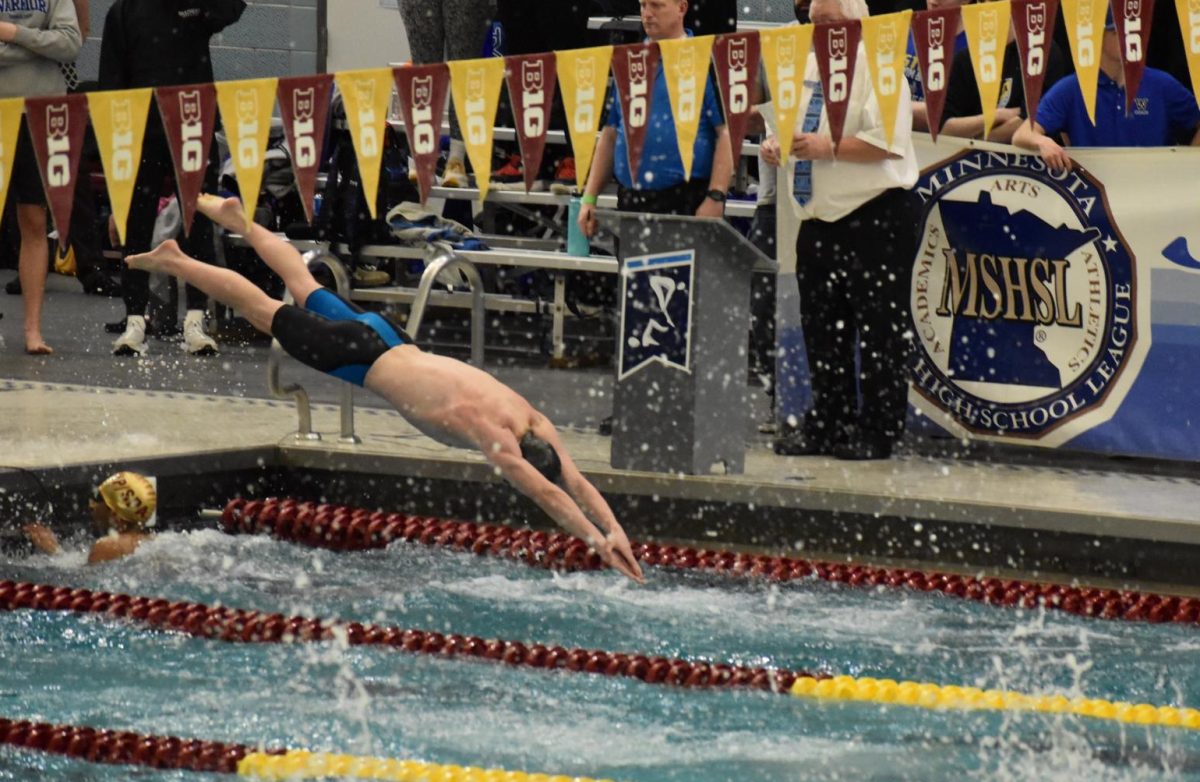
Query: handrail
column 303, row 407
column 446, row 260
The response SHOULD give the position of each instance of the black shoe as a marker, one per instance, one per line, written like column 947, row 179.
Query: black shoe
column 864, row 450
column 798, row 442
column 13, row 288
column 606, row 426
column 115, row 328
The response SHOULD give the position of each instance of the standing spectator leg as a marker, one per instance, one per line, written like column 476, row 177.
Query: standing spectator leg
column 143, row 210
column 32, row 269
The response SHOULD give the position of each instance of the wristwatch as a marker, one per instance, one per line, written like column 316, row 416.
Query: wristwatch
column 717, row 195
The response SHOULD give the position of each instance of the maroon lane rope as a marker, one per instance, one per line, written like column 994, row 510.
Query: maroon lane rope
column 235, row 625
column 344, row 528
column 124, row 747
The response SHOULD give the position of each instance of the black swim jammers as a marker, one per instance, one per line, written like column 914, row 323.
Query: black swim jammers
column 335, row 336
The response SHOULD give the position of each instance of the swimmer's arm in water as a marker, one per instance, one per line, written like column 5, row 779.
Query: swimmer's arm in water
column 42, row 538
column 113, row 547
column 500, row 447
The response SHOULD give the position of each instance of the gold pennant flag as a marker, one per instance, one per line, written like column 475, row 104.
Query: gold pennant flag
column 986, row 25
column 119, row 122
column 685, row 64
column 246, row 109
column 10, row 128
column 366, row 95
column 1189, row 24
column 785, row 58
column 583, row 78
column 884, row 38
column 475, row 86
column 1085, row 28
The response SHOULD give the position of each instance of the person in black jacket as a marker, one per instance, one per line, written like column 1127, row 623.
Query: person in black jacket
column 159, row 43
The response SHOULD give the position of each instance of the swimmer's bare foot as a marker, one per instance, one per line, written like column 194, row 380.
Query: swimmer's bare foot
column 157, row 260
column 225, row 212
column 36, row 346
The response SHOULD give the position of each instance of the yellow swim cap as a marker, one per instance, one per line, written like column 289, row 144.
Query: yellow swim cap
column 130, row 496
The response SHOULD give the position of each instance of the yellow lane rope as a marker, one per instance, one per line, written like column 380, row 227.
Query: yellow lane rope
column 301, row 764
column 937, row 696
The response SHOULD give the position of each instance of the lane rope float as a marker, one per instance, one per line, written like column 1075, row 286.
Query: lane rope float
column 234, row 625
column 344, row 528
column 238, row 626
column 128, row 748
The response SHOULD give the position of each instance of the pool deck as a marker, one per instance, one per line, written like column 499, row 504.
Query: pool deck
column 82, row 407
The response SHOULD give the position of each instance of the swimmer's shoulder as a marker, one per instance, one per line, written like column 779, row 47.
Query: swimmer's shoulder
column 113, row 547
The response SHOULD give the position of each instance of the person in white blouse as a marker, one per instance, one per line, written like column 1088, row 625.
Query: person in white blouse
column 855, row 249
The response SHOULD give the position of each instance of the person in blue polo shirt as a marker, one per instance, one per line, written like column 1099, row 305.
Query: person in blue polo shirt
column 1164, row 111
column 660, row 186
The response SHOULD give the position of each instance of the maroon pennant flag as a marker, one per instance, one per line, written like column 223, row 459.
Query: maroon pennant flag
column 531, row 82
column 736, row 56
column 1033, row 26
column 56, row 127
column 189, row 115
column 1133, row 18
column 304, row 106
column 423, row 92
column 634, row 69
column 836, row 47
column 933, row 36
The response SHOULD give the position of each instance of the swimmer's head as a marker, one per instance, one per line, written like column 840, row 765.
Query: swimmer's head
column 126, row 503
column 542, row 456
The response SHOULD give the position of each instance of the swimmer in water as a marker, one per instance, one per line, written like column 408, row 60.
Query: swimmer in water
column 120, row 518
column 452, row 402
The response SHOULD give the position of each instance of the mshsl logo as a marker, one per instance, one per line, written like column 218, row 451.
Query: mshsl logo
column 1023, row 298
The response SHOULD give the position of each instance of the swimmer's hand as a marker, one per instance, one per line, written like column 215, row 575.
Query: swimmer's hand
column 614, row 549
column 42, row 538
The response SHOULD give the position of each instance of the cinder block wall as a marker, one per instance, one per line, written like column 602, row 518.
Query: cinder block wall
column 273, row 38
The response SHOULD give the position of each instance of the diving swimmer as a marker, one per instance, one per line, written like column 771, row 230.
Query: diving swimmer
column 449, row 401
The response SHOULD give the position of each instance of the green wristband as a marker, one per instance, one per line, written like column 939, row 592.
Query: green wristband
column 589, row 199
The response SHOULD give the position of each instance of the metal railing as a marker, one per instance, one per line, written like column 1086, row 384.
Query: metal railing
column 295, row 390
column 445, row 260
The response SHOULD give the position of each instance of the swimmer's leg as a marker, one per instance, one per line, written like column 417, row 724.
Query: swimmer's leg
column 281, row 256
column 224, row 285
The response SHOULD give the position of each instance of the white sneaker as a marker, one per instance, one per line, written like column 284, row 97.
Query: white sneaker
column 195, row 341
column 133, row 341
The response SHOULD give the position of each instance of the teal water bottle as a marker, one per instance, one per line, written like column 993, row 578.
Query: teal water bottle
column 577, row 243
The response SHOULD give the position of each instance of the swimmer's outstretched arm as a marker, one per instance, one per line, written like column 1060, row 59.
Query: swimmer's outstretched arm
column 504, row 452
column 42, row 538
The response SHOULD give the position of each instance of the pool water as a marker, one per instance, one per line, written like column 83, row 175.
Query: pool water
column 107, row 673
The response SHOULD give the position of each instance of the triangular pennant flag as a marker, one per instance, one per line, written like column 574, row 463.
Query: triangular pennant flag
column 736, row 57
column 1033, row 24
column 986, row 25
column 304, row 108
column 1133, row 18
column 423, row 91
column 366, row 95
column 11, row 111
column 531, row 81
column 56, row 127
column 836, row 47
column 1085, row 30
column 189, row 114
column 583, row 74
column 1189, row 25
column 685, row 66
column 635, row 67
column 933, row 35
column 246, row 110
column 785, row 58
column 119, row 123
column 884, row 39
column 475, row 85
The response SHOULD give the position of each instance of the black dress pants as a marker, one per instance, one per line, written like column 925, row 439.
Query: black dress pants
column 853, row 275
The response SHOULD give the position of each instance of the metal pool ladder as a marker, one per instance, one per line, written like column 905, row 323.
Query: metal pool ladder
column 442, row 261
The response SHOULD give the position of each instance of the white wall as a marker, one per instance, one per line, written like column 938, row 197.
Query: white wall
column 365, row 34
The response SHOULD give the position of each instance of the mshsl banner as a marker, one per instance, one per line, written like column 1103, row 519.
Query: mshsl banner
column 1059, row 308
